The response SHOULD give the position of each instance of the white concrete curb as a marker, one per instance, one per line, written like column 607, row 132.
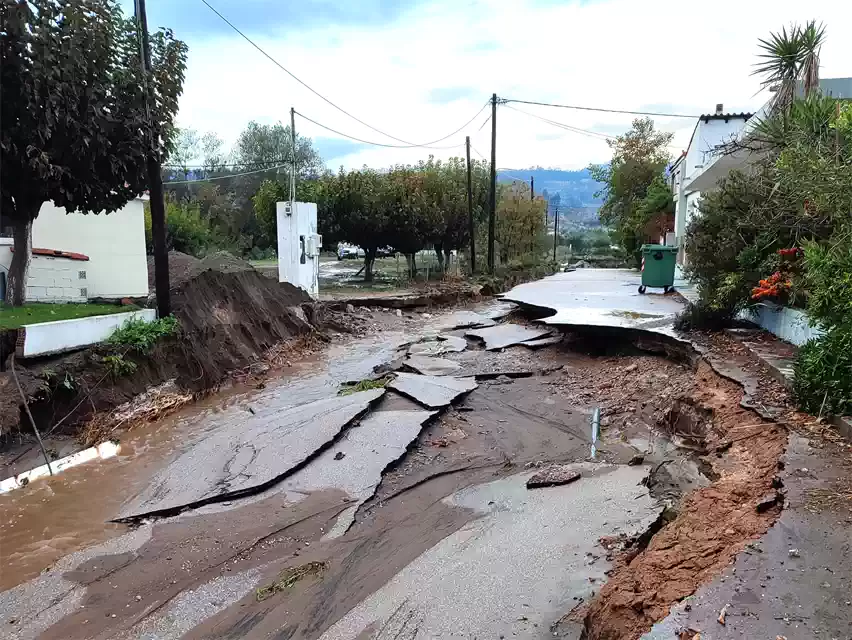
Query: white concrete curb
column 47, row 338
column 103, row 451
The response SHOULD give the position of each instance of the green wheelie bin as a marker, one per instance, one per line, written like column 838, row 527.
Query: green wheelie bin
column 658, row 267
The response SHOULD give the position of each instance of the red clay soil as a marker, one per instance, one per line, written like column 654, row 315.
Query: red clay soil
column 714, row 523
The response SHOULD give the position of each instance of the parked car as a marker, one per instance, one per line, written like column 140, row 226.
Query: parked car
column 349, row 251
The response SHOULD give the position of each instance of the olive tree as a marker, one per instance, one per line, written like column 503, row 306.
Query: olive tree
column 76, row 130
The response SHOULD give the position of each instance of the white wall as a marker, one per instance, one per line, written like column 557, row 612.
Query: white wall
column 65, row 335
column 115, row 244
column 50, row 279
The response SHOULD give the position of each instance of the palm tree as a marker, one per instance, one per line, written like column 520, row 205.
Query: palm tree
column 789, row 60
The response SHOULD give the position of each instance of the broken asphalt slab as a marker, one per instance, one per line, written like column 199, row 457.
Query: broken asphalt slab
column 433, row 392
column 355, row 464
column 506, row 335
column 553, row 476
column 432, row 366
column 236, row 461
column 530, row 557
column 597, row 297
column 542, row 342
column 436, row 347
column 463, row 319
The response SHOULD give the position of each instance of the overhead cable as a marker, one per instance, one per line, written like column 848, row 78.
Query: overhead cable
column 232, row 175
column 603, row 110
column 562, row 125
column 381, row 144
column 314, row 91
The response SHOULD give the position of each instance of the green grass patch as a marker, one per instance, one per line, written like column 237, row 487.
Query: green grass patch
column 37, row 312
column 363, row 385
column 288, row 578
column 141, row 336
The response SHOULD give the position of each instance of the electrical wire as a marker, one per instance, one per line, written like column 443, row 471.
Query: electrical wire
column 232, row 175
column 601, row 109
column 586, row 132
column 383, row 144
column 318, row 94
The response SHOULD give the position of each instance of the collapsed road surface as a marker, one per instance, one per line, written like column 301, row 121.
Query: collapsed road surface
column 401, row 510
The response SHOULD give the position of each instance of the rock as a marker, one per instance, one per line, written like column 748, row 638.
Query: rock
column 399, row 313
column 768, row 501
column 339, row 455
column 552, row 476
column 427, row 315
column 350, row 308
column 636, row 460
column 793, row 553
column 722, row 614
column 630, row 369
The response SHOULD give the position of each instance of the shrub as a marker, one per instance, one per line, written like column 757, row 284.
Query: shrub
column 117, row 366
column 186, row 230
column 141, row 336
column 823, row 374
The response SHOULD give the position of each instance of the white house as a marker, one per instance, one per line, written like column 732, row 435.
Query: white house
column 78, row 257
column 703, row 164
column 710, row 132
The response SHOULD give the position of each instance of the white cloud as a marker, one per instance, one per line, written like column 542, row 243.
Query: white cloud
column 649, row 55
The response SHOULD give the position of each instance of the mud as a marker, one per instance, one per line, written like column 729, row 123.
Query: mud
column 714, row 523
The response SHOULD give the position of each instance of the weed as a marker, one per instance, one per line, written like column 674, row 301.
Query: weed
column 289, row 577
column 363, row 385
column 117, row 366
column 141, row 336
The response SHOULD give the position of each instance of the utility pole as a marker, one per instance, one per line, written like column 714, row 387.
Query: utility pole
column 470, row 210
column 555, row 230
column 492, row 204
column 155, row 178
column 293, row 143
column 532, row 187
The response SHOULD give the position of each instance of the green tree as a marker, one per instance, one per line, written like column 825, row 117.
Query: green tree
column 632, row 179
column 265, row 145
column 75, row 128
column 185, row 149
column 186, row 230
column 520, row 223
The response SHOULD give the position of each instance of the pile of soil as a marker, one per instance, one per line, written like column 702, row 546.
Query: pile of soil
column 230, row 317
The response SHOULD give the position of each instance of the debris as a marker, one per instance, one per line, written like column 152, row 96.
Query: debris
column 432, row 366
column 289, row 577
column 350, row 308
column 553, row 476
column 434, row 392
column 769, row 500
column 506, row 335
column 722, row 614
column 542, row 342
column 440, row 442
column 793, row 553
column 339, row 455
column 636, row 460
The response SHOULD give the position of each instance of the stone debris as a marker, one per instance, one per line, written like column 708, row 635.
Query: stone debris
column 636, row 460
column 542, row 342
column 722, row 614
column 432, row 366
column 433, row 392
column 506, row 335
column 552, row 476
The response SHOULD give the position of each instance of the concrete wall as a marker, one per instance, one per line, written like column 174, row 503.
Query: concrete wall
column 115, row 244
column 65, row 335
column 50, row 279
column 788, row 324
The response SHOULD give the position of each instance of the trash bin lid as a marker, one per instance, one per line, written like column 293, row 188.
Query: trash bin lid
column 648, row 248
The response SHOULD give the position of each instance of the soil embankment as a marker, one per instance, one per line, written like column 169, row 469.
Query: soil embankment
column 230, row 318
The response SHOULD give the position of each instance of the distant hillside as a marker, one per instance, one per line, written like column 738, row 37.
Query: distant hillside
column 575, row 188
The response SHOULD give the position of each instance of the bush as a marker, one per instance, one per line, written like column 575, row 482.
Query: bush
column 117, row 366
column 141, row 336
column 186, row 230
column 701, row 316
column 823, row 374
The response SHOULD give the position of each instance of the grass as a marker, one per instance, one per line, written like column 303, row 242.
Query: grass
column 36, row 312
column 141, row 336
column 363, row 385
column 270, row 262
column 289, row 577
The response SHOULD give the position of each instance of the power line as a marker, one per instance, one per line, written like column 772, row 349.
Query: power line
column 567, row 127
column 317, row 93
column 381, row 144
column 232, row 175
column 601, row 109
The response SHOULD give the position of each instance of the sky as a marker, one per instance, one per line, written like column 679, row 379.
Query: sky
column 419, row 70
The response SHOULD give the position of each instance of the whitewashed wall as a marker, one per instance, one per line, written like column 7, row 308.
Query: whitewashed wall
column 65, row 335
column 50, row 279
column 115, row 244
column 786, row 323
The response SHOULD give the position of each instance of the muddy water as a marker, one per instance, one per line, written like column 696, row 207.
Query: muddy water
column 53, row 517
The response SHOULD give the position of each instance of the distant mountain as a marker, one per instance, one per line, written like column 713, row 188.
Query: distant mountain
column 575, row 188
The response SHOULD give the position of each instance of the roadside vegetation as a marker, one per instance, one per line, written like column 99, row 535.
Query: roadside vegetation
column 141, row 336
column 782, row 232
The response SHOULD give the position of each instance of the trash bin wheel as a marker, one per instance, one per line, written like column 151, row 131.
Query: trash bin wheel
column 642, row 288
column 666, row 289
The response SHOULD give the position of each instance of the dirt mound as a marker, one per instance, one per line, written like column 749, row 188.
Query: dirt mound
column 184, row 267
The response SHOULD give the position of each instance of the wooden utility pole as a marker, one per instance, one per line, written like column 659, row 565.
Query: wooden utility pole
column 555, row 230
column 492, row 203
column 155, row 178
column 293, row 143
column 472, row 229
column 532, row 187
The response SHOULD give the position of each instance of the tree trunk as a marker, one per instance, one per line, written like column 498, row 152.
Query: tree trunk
column 412, row 265
column 369, row 259
column 16, row 288
column 447, row 257
column 439, row 251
